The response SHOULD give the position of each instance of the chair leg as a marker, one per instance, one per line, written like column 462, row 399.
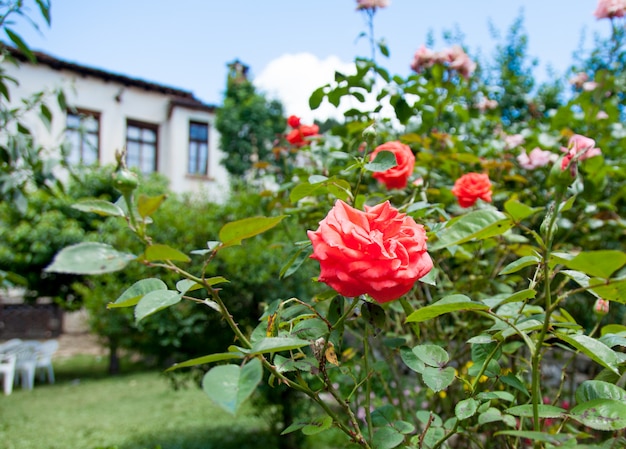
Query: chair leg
column 50, row 374
column 8, row 382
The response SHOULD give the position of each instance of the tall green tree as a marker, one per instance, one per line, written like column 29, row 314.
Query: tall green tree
column 248, row 122
column 512, row 70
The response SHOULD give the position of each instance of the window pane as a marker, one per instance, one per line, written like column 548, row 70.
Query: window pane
column 90, row 124
column 132, row 154
column 203, row 155
column 133, row 132
column 198, row 132
column 148, row 135
column 147, row 158
column 193, row 158
column 73, row 120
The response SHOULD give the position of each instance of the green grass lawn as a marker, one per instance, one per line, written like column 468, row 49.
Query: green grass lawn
column 139, row 410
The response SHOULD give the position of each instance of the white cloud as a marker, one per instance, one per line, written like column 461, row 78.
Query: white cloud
column 292, row 78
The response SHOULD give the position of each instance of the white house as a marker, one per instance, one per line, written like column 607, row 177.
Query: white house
column 163, row 129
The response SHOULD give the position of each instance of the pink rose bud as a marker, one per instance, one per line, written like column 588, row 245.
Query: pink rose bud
column 601, row 307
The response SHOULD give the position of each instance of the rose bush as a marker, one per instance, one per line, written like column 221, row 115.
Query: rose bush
column 467, row 355
column 398, row 176
column 380, row 252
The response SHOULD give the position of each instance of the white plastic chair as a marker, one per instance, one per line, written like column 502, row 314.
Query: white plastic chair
column 44, row 360
column 7, row 369
column 25, row 363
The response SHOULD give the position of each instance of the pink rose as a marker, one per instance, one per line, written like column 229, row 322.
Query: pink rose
column 582, row 147
column 380, row 252
column 601, row 115
column 395, row 177
column 471, row 187
column 578, row 148
column 485, row 103
column 371, row 4
column 537, row 158
column 513, row 140
column 459, row 60
column 589, row 86
column 579, row 79
column 424, row 58
column 607, row 9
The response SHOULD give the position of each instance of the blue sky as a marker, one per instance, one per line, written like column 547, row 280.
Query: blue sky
column 292, row 46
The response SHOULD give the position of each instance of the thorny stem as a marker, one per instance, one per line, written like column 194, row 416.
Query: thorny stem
column 368, row 383
column 353, row 434
column 537, row 354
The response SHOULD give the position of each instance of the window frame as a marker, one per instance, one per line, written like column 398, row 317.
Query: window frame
column 202, row 172
column 141, row 126
column 83, row 114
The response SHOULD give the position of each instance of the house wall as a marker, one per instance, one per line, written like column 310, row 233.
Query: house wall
column 116, row 103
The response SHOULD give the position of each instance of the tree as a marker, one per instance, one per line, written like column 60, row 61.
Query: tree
column 513, row 72
column 248, row 123
column 24, row 164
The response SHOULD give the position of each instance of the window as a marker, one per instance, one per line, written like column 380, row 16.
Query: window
column 198, row 149
column 141, row 146
column 82, row 131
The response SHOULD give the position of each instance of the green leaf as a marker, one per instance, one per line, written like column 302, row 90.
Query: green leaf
column 601, row 414
column 452, row 303
column 216, row 280
column 100, row 207
column 229, row 386
column 518, row 211
column 206, row 359
column 317, row 426
column 276, row 344
column 147, row 205
column 594, row 349
column 387, row 438
column 21, row 45
column 89, row 258
column 522, row 262
column 555, row 439
column 164, row 252
column 233, row 233
column 545, row 411
column 466, row 408
column 411, row 360
column 513, row 381
column 602, row 263
column 135, row 292
column 438, row 379
column 383, row 161
column 431, row 355
column 316, row 98
column 598, row 389
column 155, row 301
column 476, row 225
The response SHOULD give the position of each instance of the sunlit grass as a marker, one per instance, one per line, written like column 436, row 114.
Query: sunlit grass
column 140, row 410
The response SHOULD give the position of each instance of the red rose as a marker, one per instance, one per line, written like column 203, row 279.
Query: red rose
column 296, row 136
column 293, row 121
column 470, row 187
column 381, row 251
column 396, row 177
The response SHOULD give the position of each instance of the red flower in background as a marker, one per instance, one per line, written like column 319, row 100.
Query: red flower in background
column 380, row 252
column 471, row 187
column 293, row 121
column 297, row 136
column 395, row 177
